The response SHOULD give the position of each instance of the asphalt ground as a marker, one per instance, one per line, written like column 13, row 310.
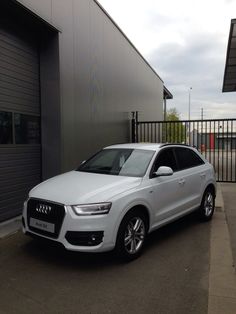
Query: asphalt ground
column 170, row 277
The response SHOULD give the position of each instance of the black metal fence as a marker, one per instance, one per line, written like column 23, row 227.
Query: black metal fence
column 215, row 139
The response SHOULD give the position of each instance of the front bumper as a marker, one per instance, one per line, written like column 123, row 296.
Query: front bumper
column 80, row 233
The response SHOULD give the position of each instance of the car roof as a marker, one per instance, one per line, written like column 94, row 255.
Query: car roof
column 146, row 146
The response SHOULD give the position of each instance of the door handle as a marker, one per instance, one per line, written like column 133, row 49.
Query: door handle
column 203, row 175
column 181, row 182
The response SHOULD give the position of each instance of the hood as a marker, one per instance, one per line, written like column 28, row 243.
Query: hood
column 76, row 187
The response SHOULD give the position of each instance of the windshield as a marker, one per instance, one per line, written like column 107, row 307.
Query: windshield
column 120, row 162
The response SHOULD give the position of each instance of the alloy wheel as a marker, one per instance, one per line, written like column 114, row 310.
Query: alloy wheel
column 208, row 204
column 134, row 235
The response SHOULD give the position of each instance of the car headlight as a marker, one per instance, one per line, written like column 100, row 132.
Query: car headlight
column 92, row 209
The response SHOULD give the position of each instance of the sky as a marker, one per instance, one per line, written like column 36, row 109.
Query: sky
column 185, row 41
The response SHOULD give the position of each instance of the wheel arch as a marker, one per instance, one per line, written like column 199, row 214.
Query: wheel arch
column 138, row 207
column 143, row 212
column 211, row 187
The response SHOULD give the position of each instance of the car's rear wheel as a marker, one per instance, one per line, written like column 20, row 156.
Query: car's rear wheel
column 207, row 207
column 131, row 235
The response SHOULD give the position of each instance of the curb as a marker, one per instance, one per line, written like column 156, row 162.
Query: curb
column 9, row 227
column 219, row 202
column 222, row 279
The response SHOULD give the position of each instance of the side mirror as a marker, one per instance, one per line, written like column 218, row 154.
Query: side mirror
column 163, row 172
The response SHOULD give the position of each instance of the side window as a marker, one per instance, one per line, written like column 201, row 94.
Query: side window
column 187, row 158
column 27, row 129
column 165, row 158
column 17, row 128
column 6, row 128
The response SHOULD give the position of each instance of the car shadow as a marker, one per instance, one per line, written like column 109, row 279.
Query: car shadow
column 49, row 252
column 52, row 253
column 174, row 228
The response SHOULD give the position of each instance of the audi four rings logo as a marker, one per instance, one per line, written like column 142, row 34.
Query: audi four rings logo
column 43, row 209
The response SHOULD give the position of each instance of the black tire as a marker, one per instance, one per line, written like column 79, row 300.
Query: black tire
column 207, row 207
column 135, row 236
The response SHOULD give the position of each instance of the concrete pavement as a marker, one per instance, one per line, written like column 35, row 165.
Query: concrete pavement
column 10, row 227
column 222, row 279
column 229, row 197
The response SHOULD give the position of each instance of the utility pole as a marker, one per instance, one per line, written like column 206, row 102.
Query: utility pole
column 189, row 114
column 201, row 113
column 189, row 103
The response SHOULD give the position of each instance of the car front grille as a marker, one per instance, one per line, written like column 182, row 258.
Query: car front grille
column 44, row 217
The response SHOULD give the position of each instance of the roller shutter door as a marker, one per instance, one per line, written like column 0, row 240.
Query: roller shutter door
column 20, row 149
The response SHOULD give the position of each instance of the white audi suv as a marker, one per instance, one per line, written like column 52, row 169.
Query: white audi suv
column 119, row 195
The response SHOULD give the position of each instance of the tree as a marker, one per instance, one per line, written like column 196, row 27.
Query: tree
column 174, row 131
column 172, row 115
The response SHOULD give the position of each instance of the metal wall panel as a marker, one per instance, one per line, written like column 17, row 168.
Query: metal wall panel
column 102, row 79
column 20, row 170
column 41, row 7
column 50, row 106
column 20, row 165
column 19, row 73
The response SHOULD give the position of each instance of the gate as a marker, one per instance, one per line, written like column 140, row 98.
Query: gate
column 215, row 139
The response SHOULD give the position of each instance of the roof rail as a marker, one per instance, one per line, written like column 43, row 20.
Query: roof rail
column 180, row 144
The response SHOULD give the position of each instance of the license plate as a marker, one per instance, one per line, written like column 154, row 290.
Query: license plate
column 42, row 225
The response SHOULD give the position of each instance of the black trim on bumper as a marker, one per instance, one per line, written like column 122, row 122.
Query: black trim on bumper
column 84, row 238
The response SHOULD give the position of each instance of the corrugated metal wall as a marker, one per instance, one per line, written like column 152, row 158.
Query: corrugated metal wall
column 91, row 77
column 20, row 157
column 102, row 79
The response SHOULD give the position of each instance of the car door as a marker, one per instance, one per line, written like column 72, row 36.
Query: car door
column 166, row 190
column 192, row 174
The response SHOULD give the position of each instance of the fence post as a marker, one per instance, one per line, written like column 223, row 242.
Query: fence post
column 134, row 127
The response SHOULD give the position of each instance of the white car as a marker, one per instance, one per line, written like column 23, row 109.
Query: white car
column 118, row 196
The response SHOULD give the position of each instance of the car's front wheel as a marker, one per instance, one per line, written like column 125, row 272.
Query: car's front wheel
column 132, row 235
column 207, row 207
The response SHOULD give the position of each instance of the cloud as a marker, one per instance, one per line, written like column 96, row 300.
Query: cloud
column 199, row 64
column 185, row 41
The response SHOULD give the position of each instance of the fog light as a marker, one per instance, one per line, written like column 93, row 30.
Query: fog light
column 93, row 238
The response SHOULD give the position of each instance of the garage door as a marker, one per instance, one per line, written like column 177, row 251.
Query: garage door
column 20, row 149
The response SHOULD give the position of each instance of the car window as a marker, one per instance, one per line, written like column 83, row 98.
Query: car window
column 110, row 159
column 187, row 158
column 165, row 158
column 122, row 162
